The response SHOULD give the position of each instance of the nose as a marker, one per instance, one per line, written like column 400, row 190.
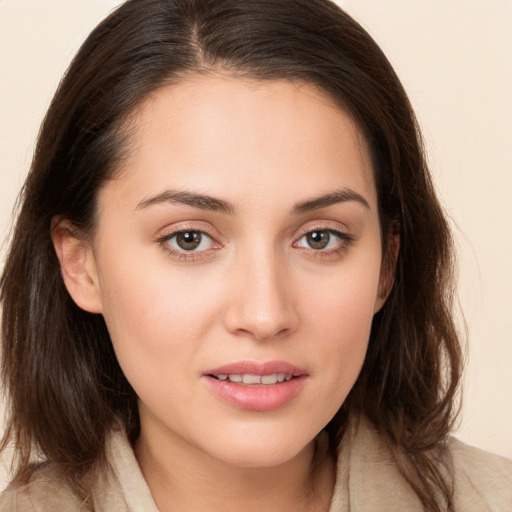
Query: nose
column 262, row 305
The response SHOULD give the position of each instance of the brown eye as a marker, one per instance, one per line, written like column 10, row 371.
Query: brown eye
column 318, row 239
column 324, row 240
column 189, row 241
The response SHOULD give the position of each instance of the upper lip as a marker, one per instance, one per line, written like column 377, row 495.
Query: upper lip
column 257, row 368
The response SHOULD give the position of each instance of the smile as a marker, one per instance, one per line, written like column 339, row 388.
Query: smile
column 250, row 379
column 256, row 386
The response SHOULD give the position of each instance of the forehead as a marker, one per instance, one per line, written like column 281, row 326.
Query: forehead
column 232, row 136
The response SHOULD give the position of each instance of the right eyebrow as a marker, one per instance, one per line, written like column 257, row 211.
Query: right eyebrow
column 201, row 201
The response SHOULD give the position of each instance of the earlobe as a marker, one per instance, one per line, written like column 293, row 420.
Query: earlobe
column 388, row 270
column 78, row 267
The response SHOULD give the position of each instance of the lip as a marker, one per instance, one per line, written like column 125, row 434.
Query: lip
column 256, row 397
column 257, row 368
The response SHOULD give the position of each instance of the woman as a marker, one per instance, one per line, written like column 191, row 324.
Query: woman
column 230, row 280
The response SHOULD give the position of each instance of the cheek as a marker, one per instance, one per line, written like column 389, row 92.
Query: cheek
column 340, row 311
column 149, row 314
column 342, row 299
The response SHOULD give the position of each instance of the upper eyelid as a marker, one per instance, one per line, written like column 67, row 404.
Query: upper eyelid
column 173, row 234
column 181, row 227
column 176, row 232
column 332, row 226
column 337, row 232
column 344, row 237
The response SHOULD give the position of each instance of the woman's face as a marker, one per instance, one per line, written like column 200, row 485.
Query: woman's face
column 241, row 242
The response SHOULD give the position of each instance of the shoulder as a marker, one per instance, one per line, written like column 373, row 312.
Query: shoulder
column 45, row 490
column 369, row 477
column 483, row 480
column 116, row 485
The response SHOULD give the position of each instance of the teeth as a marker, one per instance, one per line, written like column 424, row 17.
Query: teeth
column 269, row 379
column 250, row 379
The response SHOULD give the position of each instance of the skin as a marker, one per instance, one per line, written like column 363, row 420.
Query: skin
column 255, row 289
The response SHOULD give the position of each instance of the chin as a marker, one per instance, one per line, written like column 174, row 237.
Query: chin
column 261, row 449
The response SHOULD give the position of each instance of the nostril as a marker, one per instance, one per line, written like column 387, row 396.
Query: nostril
column 261, row 309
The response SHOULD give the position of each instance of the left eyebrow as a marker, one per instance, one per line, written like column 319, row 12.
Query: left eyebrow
column 338, row 196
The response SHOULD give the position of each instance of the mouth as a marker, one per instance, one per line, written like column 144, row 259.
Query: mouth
column 250, row 379
column 256, row 386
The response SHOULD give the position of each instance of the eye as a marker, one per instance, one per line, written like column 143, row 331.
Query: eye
column 189, row 241
column 323, row 240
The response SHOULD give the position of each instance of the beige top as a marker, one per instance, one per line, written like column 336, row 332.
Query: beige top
column 367, row 481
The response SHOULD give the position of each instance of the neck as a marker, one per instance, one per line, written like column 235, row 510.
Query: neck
column 184, row 478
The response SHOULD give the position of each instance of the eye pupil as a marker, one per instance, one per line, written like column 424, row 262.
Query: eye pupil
column 188, row 240
column 318, row 239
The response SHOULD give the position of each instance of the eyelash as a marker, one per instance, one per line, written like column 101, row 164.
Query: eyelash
column 181, row 254
column 345, row 241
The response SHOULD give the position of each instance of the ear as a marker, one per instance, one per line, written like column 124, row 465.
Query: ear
column 388, row 269
column 78, row 266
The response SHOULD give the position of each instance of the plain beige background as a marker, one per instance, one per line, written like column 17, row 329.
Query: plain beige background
column 455, row 60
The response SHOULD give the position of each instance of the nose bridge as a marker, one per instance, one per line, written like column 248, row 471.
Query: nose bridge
column 262, row 306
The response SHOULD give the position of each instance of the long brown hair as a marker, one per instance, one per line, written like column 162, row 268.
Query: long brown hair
column 65, row 388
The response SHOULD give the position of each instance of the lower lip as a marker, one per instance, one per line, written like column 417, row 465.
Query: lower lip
column 257, row 397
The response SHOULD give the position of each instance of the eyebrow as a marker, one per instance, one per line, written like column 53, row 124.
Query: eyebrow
column 338, row 196
column 206, row 202
column 201, row 201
